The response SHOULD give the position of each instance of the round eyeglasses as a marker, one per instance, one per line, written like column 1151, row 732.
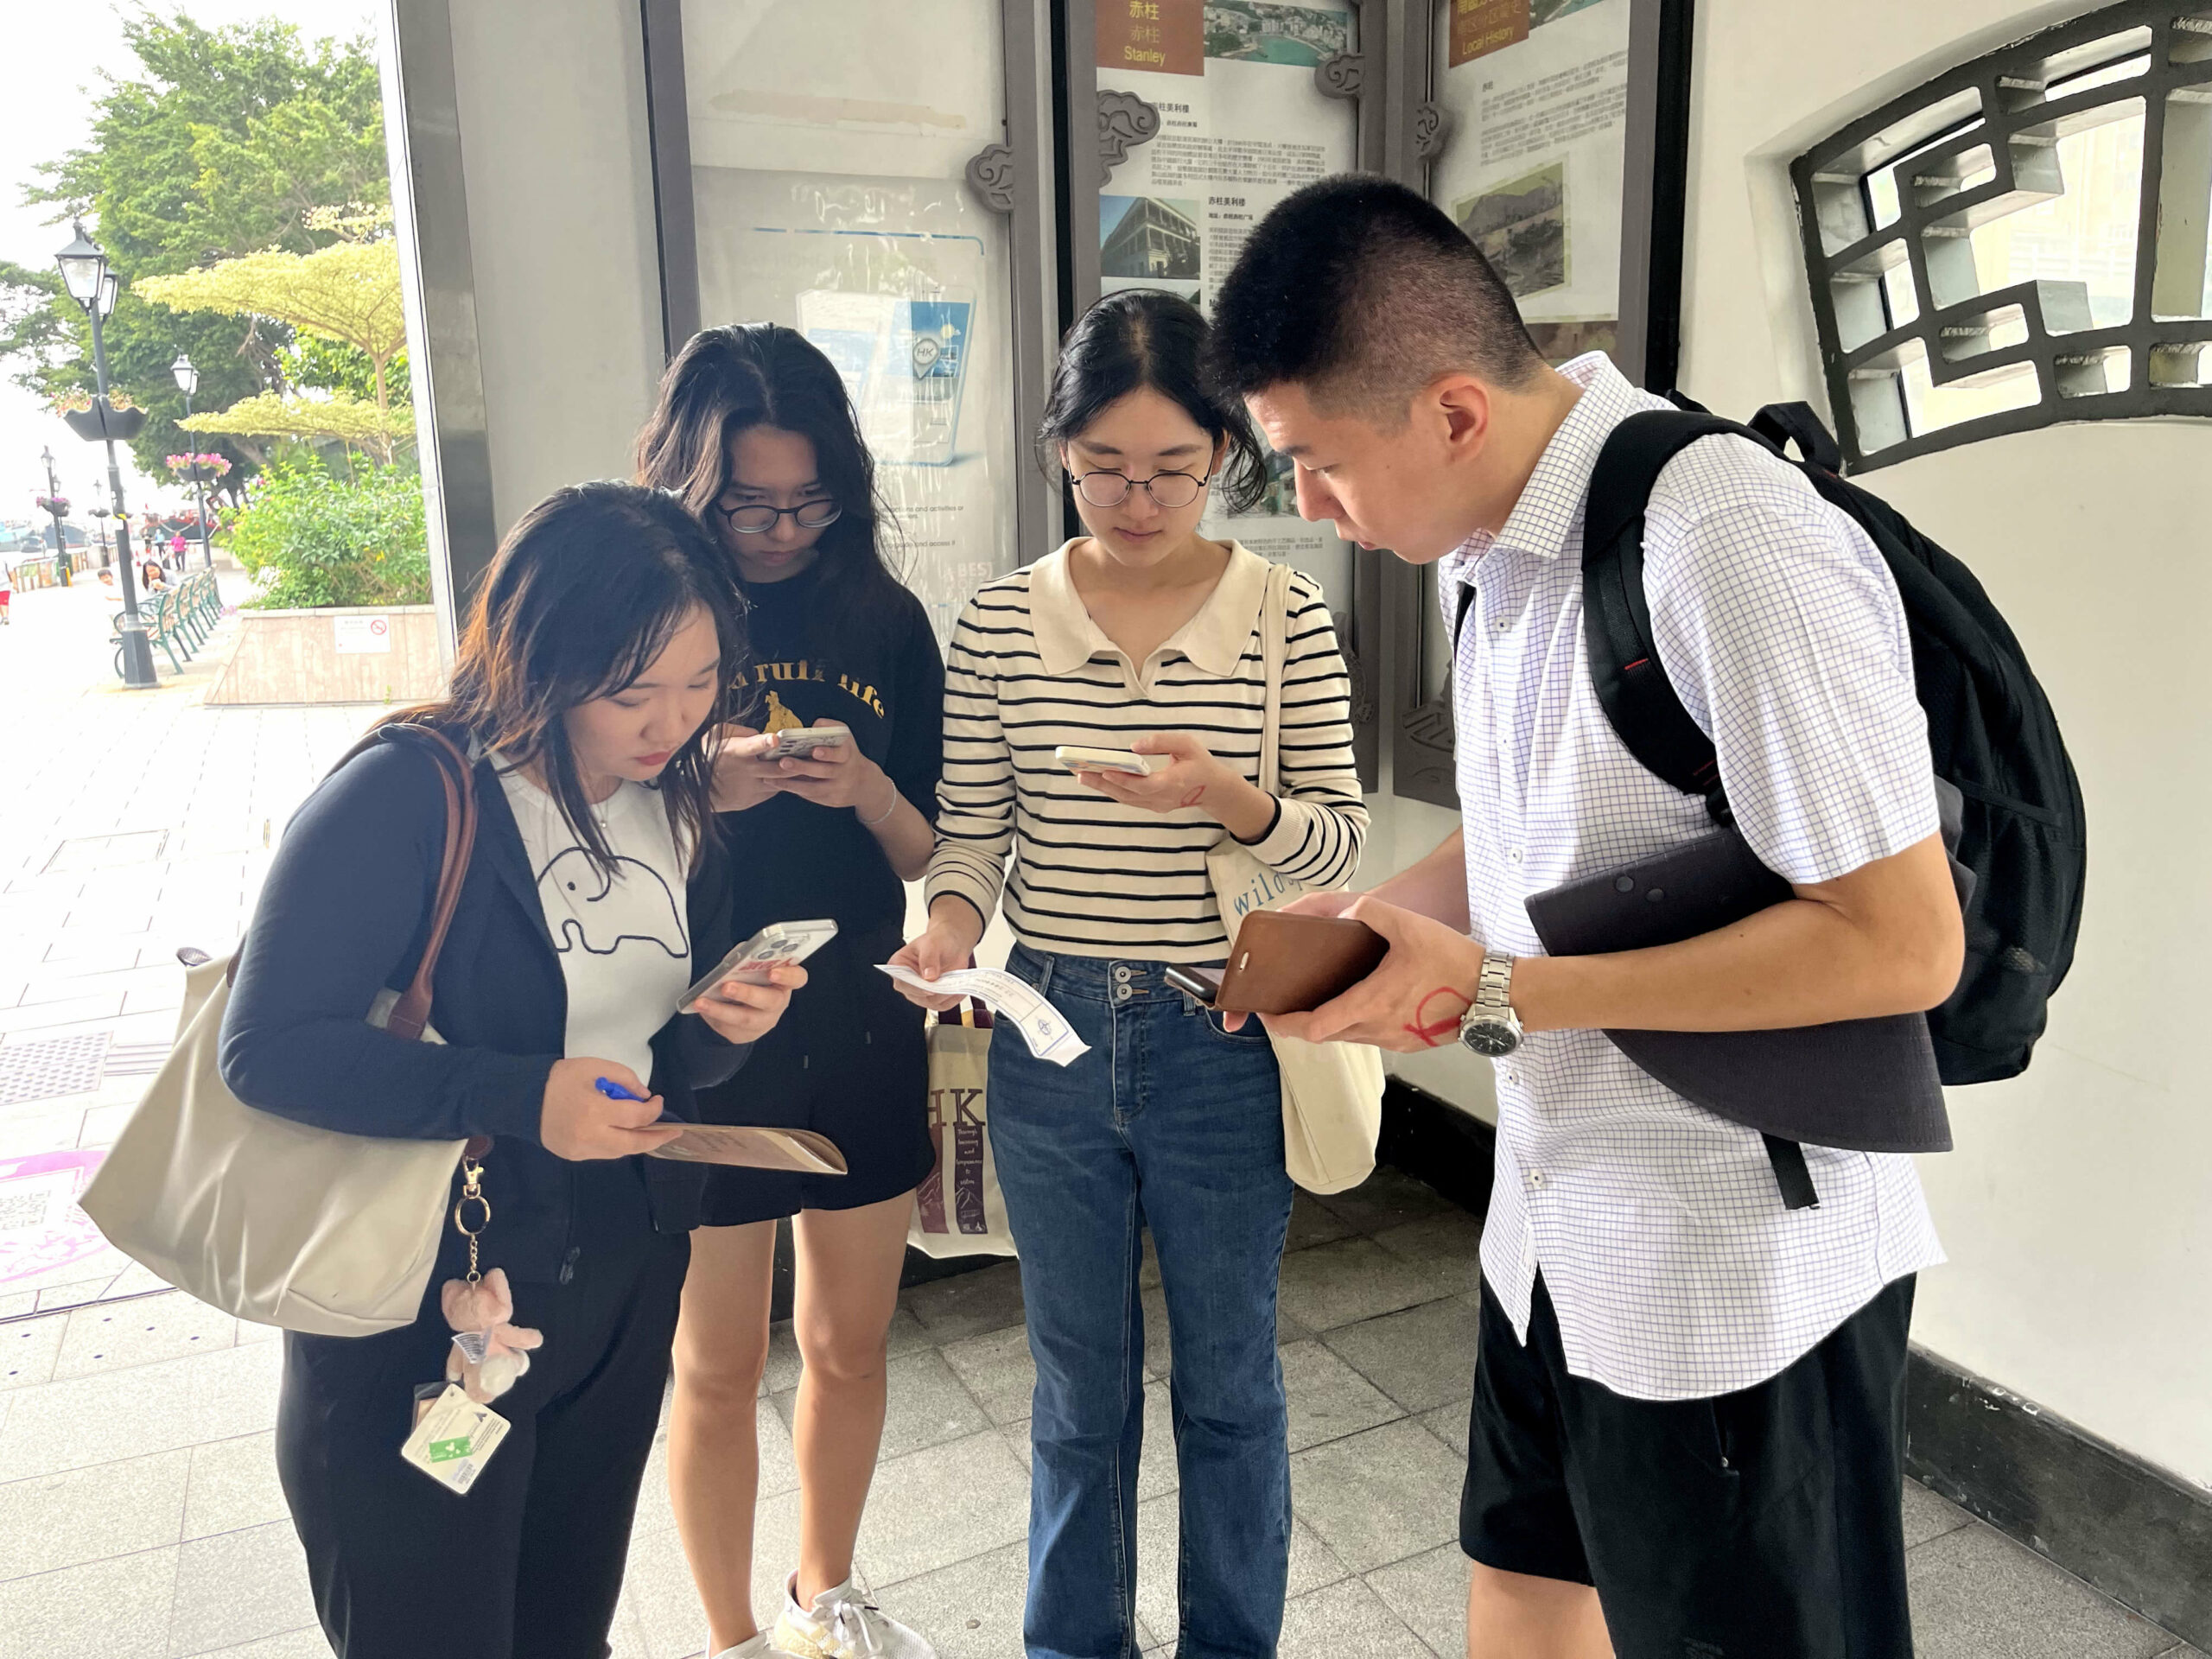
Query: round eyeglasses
column 1169, row 489
column 758, row 517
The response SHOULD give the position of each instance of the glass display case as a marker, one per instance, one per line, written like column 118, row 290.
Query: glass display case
column 1562, row 130
column 935, row 199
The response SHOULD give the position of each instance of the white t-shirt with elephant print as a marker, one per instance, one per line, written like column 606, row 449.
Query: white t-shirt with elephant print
column 625, row 945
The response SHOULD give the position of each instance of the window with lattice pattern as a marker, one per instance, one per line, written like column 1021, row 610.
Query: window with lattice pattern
column 2026, row 239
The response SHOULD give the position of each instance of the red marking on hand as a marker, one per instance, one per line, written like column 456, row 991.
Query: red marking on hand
column 1194, row 797
column 1436, row 1032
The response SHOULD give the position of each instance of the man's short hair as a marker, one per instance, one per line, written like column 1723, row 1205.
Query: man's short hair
column 1363, row 292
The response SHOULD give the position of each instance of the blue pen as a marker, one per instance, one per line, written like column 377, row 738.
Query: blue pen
column 614, row 1090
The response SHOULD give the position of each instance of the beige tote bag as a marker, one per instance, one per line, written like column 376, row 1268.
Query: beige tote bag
column 276, row 1220
column 959, row 1208
column 1332, row 1092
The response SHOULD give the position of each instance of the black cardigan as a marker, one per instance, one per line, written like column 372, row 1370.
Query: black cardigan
column 344, row 913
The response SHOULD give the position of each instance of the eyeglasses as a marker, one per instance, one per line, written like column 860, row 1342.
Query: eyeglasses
column 1169, row 489
column 758, row 517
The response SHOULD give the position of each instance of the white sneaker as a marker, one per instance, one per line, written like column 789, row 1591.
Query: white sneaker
column 841, row 1624
column 757, row 1647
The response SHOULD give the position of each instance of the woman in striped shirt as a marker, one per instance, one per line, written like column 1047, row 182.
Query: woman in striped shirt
column 1141, row 636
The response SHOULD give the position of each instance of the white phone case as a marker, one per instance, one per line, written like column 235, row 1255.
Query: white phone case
column 1077, row 759
column 777, row 945
column 802, row 740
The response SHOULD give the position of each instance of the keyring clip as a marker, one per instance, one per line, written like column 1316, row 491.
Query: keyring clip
column 471, row 1191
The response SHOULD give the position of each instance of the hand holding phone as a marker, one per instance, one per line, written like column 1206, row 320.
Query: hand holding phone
column 1288, row 963
column 1074, row 758
column 779, row 944
column 800, row 741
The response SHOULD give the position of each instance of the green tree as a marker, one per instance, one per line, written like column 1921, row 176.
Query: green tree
column 224, row 142
column 347, row 293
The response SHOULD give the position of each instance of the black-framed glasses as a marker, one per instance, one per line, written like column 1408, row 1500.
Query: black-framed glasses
column 1169, row 489
column 758, row 517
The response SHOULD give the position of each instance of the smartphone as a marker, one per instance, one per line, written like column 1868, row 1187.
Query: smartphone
column 800, row 741
column 1201, row 985
column 1292, row 964
column 777, row 945
column 1081, row 759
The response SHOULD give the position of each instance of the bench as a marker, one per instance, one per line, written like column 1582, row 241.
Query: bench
column 181, row 617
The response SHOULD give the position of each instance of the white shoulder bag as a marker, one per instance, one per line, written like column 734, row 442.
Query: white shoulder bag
column 276, row 1220
column 1332, row 1092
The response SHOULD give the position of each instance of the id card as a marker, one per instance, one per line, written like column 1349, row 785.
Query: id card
column 455, row 1438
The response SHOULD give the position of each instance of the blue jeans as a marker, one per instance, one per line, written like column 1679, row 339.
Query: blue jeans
column 1172, row 1122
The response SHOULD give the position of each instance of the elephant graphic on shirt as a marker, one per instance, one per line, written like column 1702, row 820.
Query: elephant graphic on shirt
column 605, row 916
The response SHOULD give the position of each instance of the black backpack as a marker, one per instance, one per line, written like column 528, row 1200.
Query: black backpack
column 1990, row 727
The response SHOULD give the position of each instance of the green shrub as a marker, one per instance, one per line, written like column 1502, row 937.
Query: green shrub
column 309, row 539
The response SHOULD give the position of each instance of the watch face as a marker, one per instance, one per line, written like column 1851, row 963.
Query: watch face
column 1490, row 1038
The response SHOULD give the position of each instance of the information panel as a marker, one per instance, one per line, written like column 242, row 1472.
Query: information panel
column 1242, row 124
column 1537, row 91
column 829, row 195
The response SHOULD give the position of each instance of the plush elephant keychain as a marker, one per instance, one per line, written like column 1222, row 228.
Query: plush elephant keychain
column 490, row 1352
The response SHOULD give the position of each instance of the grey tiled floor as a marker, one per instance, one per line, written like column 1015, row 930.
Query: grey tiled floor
column 139, row 1512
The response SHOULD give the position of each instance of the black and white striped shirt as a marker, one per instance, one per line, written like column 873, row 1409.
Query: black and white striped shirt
column 1029, row 670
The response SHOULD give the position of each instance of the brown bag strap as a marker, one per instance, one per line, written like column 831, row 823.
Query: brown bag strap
column 412, row 1012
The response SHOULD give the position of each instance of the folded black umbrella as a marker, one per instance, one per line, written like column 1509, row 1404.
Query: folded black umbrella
column 1870, row 1085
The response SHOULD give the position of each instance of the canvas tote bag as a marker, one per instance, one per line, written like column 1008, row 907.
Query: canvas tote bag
column 275, row 1221
column 1332, row 1092
column 958, row 1209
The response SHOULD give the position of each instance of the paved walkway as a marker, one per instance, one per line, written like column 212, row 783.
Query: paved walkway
column 139, row 1511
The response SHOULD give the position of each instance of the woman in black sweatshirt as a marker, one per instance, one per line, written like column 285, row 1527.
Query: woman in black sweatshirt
column 604, row 650
column 755, row 431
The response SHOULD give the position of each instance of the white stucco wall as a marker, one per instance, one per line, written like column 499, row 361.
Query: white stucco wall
column 2077, row 1207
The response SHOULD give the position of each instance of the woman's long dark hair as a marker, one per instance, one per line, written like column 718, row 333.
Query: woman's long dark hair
column 751, row 374
column 585, row 592
column 1141, row 337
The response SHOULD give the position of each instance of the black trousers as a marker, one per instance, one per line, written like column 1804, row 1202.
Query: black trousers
column 528, row 1563
column 1761, row 1524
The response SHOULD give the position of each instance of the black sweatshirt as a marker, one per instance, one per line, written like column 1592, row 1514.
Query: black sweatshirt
column 795, row 861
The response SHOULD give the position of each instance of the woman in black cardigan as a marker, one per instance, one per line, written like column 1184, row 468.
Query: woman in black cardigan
column 604, row 652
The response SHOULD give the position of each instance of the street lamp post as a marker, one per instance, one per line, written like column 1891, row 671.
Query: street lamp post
column 85, row 273
column 101, row 511
column 53, row 506
column 188, row 382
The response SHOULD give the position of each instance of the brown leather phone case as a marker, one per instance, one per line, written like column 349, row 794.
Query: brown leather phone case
column 1292, row 965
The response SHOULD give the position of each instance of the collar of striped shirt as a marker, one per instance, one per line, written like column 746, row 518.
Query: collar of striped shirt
column 1549, row 511
column 1215, row 638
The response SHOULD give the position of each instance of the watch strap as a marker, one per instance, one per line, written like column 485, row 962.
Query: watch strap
column 1494, row 989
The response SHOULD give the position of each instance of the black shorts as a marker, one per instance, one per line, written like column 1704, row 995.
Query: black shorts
column 1761, row 1524
column 847, row 1061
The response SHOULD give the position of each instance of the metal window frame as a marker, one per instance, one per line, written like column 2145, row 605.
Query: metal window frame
column 1014, row 177
column 430, row 197
column 2005, row 88
column 1654, row 191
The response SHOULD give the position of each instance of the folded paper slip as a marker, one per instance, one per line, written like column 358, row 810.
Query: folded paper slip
column 753, row 1146
column 1013, row 1001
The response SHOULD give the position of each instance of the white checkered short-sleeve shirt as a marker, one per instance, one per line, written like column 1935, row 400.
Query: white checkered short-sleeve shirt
column 1676, row 1271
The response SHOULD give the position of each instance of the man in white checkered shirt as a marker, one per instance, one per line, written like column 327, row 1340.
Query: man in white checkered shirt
column 1686, row 1434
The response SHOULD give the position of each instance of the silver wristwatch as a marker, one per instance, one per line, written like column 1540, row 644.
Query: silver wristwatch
column 1490, row 1026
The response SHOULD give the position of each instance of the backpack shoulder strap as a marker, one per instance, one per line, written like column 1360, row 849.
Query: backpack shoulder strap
column 1640, row 702
column 1782, row 424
